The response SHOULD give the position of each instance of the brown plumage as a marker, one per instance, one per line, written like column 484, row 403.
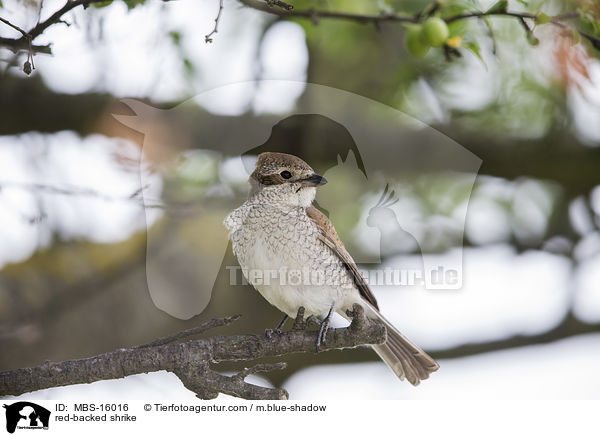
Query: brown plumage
column 399, row 353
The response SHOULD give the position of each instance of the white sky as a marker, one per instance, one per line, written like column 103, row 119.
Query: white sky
column 65, row 160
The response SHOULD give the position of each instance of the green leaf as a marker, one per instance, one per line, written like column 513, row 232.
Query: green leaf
column 102, row 4
column 175, row 37
column 188, row 66
column 458, row 28
column 531, row 39
column 133, row 3
column 576, row 36
column 542, row 18
column 500, row 7
column 476, row 50
column 589, row 22
column 457, row 6
column 524, row 3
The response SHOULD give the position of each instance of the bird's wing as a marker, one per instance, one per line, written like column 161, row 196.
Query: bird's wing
column 331, row 239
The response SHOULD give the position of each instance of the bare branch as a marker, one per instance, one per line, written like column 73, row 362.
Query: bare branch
column 280, row 4
column 56, row 18
column 16, row 45
column 277, row 7
column 213, row 323
column 316, row 15
column 86, row 192
column 594, row 40
column 190, row 361
column 207, row 38
column 261, row 367
column 17, row 28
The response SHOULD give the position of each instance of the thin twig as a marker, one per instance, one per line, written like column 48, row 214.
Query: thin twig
column 85, row 192
column 314, row 14
column 261, row 367
column 17, row 28
column 40, row 12
column 207, row 38
column 17, row 45
column 595, row 41
column 213, row 323
column 40, row 27
column 491, row 34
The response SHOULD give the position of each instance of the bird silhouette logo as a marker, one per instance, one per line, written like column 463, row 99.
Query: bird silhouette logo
column 187, row 246
column 394, row 238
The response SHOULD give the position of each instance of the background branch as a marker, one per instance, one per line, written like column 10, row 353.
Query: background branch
column 207, row 38
column 283, row 10
column 16, row 45
column 316, row 15
column 190, row 361
column 17, row 28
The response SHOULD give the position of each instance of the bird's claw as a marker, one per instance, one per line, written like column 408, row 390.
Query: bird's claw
column 312, row 320
column 269, row 332
column 324, row 327
column 321, row 339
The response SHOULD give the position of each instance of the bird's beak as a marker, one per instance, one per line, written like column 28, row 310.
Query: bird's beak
column 313, row 180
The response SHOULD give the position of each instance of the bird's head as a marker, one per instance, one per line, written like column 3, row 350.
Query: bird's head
column 285, row 178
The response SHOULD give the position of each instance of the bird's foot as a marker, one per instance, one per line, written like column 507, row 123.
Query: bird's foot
column 270, row 332
column 312, row 321
column 277, row 330
column 358, row 317
column 322, row 336
column 301, row 324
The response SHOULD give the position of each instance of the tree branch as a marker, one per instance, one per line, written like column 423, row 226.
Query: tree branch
column 207, row 38
column 316, row 15
column 282, row 9
column 216, row 322
column 56, row 17
column 86, row 192
column 17, row 28
column 190, row 361
column 16, row 45
column 23, row 42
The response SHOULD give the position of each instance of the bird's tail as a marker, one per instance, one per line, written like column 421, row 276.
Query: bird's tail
column 401, row 355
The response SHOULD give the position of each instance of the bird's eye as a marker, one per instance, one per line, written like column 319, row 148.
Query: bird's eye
column 285, row 174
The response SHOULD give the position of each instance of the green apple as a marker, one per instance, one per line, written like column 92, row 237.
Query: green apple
column 435, row 31
column 415, row 42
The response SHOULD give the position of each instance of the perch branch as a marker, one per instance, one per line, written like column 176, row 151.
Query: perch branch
column 190, row 361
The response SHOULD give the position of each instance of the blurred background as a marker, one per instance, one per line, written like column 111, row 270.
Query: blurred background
column 126, row 147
